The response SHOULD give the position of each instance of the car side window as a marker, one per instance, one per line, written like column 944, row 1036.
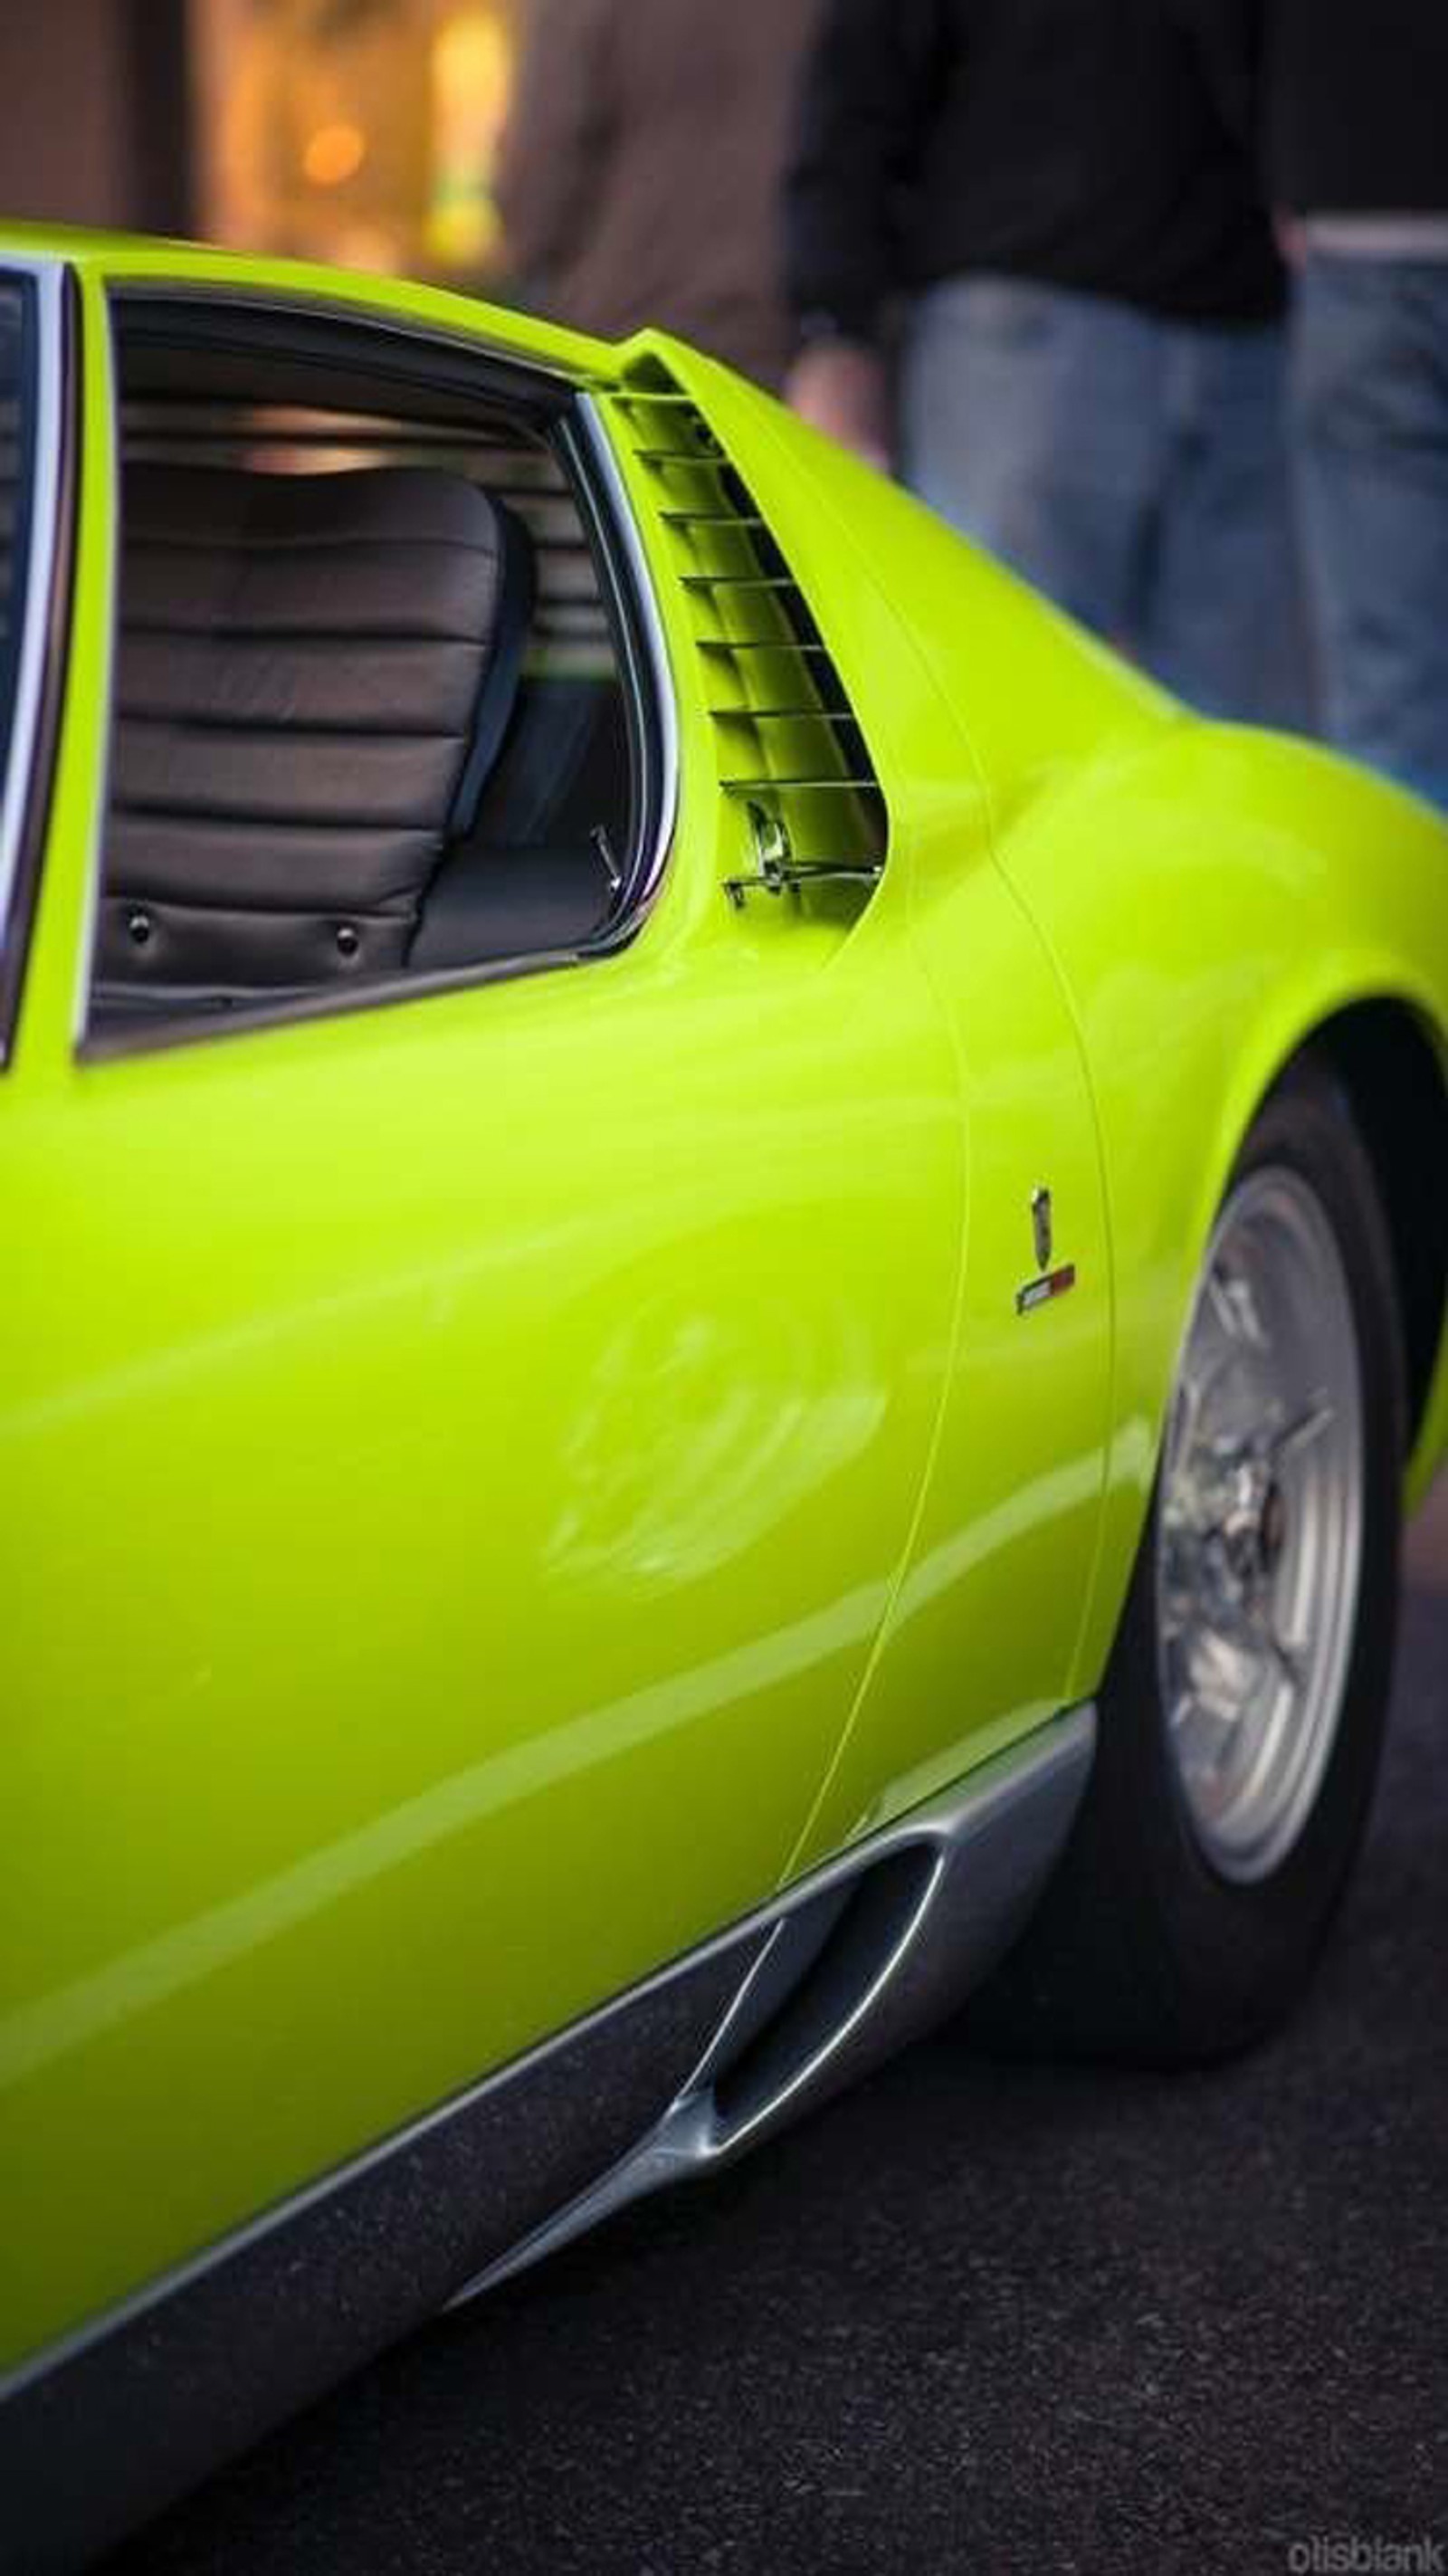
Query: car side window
column 369, row 720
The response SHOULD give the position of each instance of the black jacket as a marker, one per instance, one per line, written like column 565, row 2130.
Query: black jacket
column 1106, row 145
column 1358, row 106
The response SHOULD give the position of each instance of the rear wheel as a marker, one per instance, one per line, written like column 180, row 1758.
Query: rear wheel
column 1242, row 1717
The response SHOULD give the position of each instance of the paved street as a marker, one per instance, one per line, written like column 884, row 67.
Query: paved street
column 971, row 2318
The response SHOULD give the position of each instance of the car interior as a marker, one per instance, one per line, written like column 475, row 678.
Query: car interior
column 369, row 722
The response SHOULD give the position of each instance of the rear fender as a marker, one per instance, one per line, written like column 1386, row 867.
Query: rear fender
column 1214, row 907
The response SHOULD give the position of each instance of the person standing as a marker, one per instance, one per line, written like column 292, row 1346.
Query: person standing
column 1057, row 202
column 1358, row 155
column 640, row 169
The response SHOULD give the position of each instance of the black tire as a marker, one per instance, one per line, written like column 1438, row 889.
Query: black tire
column 1141, row 1949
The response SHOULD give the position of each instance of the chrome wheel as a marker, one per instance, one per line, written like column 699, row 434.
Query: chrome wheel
column 1260, row 1528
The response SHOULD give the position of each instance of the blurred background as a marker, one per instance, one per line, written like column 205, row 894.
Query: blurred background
column 358, row 131
column 1159, row 318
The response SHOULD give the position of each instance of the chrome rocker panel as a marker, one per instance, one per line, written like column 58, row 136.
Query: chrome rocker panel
column 863, row 1957
column 665, row 2083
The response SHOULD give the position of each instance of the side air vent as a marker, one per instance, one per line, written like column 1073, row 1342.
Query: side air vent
column 882, row 1943
column 792, row 757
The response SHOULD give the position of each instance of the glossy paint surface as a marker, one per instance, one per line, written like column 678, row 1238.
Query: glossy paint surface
column 474, row 1443
column 493, row 1486
column 1011, row 1509
column 1208, row 897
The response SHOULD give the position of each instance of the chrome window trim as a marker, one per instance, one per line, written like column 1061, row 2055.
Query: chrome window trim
column 624, row 524
column 90, row 919
column 47, row 277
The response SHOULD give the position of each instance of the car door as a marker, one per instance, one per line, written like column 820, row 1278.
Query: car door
column 984, row 1638
column 457, row 1458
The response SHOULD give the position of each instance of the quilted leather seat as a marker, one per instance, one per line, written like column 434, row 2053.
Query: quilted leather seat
column 315, row 675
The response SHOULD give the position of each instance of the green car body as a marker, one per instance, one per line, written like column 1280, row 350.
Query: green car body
column 496, row 1488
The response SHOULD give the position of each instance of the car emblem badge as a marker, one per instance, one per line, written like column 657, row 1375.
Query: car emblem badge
column 1049, row 1283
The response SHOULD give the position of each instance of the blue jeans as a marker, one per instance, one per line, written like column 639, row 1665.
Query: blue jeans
column 1370, row 400
column 1133, row 469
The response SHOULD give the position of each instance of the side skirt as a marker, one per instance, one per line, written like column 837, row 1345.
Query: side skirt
column 869, row 1953
column 670, row 2081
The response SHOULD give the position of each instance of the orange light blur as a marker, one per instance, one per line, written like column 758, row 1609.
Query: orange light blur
column 334, row 154
column 364, row 133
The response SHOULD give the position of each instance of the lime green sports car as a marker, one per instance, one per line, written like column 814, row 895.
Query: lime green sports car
column 725, row 1270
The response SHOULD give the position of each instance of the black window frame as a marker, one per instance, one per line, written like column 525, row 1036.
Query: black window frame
column 388, row 349
column 35, row 753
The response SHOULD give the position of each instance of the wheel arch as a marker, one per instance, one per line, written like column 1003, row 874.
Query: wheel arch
column 1395, row 1080
column 1389, row 1052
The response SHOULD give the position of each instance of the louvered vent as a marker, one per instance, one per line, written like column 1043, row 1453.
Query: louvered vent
column 792, row 756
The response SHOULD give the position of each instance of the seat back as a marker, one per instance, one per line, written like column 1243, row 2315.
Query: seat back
column 315, row 673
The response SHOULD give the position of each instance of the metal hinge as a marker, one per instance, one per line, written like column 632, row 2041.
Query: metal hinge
column 603, row 852
column 780, row 872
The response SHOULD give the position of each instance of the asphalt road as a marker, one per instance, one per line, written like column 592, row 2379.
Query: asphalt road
column 971, row 2318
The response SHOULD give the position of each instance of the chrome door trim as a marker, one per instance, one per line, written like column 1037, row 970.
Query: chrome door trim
column 47, row 277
